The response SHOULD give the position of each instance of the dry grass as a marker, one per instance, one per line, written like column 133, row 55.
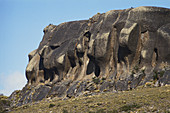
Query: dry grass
column 138, row 100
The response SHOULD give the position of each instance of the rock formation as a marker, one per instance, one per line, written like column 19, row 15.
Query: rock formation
column 116, row 50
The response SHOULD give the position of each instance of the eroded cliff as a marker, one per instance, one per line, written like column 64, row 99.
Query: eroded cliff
column 116, row 50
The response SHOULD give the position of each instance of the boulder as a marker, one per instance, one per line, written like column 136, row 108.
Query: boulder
column 58, row 90
column 165, row 79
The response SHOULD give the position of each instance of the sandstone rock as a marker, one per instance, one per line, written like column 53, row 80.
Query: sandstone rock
column 72, row 90
column 165, row 79
column 91, row 87
column 109, row 45
column 40, row 93
column 80, row 88
column 121, row 85
column 136, row 79
column 4, row 104
column 108, row 42
column 58, row 90
column 106, row 86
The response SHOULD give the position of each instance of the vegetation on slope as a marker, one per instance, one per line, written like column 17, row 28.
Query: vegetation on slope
column 149, row 99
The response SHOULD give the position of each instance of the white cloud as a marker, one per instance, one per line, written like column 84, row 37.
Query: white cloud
column 11, row 82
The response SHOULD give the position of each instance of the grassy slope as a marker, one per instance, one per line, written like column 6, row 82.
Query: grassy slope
column 140, row 100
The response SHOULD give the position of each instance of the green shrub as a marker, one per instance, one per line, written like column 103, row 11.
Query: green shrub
column 51, row 105
column 129, row 107
column 65, row 111
column 136, row 68
column 161, row 73
column 113, row 111
column 100, row 111
column 91, row 112
column 157, row 75
column 96, row 80
column 89, row 101
column 25, row 106
column 103, row 78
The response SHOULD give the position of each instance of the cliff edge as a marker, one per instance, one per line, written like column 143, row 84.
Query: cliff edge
column 116, row 50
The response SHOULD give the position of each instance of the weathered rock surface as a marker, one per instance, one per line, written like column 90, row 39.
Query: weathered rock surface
column 4, row 104
column 116, row 50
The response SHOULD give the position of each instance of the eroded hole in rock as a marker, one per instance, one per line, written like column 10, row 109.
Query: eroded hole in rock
column 80, row 63
column 46, row 74
column 93, row 67
column 80, row 54
column 90, row 68
column 54, row 47
column 144, row 31
column 140, row 58
column 33, row 80
column 52, row 77
column 97, row 70
column 41, row 65
column 50, row 73
column 72, row 61
column 41, row 81
column 156, row 51
column 87, row 34
column 122, row 53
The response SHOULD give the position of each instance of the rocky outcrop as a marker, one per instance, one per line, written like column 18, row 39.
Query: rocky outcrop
column 4, row 104
column 116, row 50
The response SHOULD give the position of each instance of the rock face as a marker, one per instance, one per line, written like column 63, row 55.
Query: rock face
column 4, row 104
column 116, row 50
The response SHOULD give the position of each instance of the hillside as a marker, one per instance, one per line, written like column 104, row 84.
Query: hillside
column 140, row 100
column 119, row 50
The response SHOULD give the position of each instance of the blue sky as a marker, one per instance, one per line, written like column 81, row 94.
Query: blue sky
column 22, row 23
